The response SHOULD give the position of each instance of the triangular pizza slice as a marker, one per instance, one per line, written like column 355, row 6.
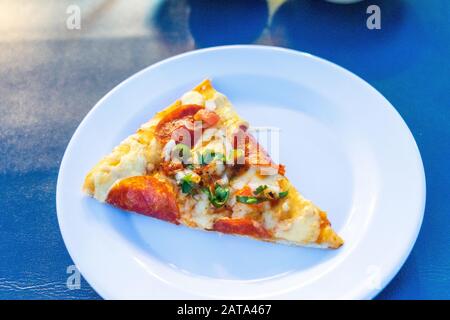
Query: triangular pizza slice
column 196, row 163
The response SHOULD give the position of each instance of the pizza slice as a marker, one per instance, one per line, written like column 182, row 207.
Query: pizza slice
column 196, row 163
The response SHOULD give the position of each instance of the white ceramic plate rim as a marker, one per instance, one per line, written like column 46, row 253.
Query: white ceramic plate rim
column 361, row 292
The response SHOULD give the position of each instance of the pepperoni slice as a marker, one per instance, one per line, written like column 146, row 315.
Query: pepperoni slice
column 178, row 125
column 146, row 195
column 242, row 226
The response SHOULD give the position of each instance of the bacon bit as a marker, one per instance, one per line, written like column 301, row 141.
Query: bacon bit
column 209, row 118
column 170, row 167
column 281, row 169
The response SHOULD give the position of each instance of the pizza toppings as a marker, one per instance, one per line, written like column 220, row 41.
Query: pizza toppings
column 209, row 118
column 181, row 152
column 245, row 191
column 207, row 175
column 283, row 194
column 208, row 156
column 261, row 194
column 236, row 156
column 209, row 172
column 178, row 125
column 148, row 195
column 242, row 226
column 218, row 196
column 249, row 199
column 168, row 148
column 192, row 97
column 189, row 183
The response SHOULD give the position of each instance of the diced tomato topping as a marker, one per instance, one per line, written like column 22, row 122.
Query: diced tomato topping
column 170, row 168
column 245, row 191
column 209, row 118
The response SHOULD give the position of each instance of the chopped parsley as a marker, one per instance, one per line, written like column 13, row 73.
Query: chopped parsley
column 283, row 194
column 260, row 189
column 219, row 196
column 187, row 185
column 249, row 199
column 258, row 198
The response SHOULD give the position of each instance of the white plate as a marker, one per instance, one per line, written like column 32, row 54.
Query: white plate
column 343, row 144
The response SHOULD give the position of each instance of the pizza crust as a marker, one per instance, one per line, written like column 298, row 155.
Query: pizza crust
column 137, row 155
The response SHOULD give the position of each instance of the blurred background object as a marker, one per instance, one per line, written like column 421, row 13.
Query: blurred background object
column 220, row 23
column 344, row 1
column 332, row 31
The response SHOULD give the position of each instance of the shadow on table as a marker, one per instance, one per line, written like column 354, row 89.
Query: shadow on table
column 339, row 33
column 215, row 23
column 170, row 21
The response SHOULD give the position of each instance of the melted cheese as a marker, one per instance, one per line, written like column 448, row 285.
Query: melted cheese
column 210, row 105
column 215, row 140
column 241, row 210
column 269, row 220
column 253, row 179
column 285, row 206
column 305, row 227
column 197, row 212
column 131, row 163
column 192, row 97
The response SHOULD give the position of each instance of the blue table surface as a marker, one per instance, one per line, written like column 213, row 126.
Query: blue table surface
column 51, row 76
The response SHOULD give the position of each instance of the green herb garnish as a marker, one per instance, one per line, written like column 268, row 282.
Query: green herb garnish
column 283, row 194
column 259, row 199
column 187, row 185
column 219, row 197
column 206, row 191
column 260, row 189
column 249, row 199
